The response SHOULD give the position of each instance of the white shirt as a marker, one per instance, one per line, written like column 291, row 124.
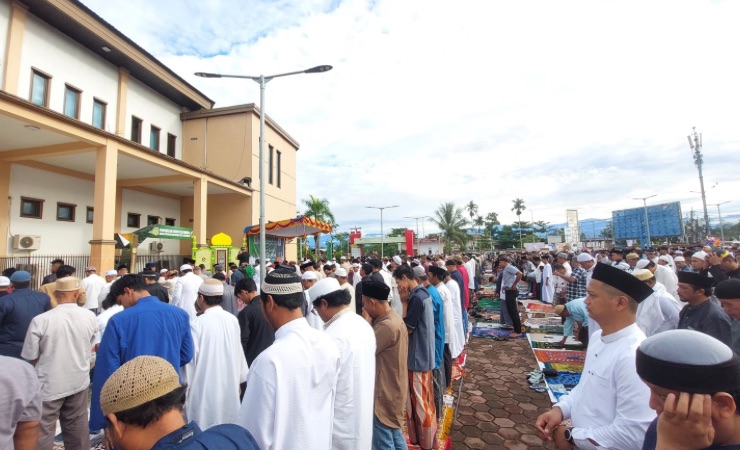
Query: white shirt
column 289, row 401
column 394, row 297
column 667, row 278
column 312, row 317
column 186, row 293
column 102, row 321
column 470, row 265
column 348, row 287
column 353, row 404
column 458, row 343
column 256, row 277
column 548, row 290
column 610, row 403
column 659, row 312
column 104, row 292
column 93, row 286
column 61, row 339
column 216, row 370
column 449, row 313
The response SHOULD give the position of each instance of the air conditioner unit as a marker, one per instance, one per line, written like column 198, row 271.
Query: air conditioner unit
column 156, row 247
column 26, row 242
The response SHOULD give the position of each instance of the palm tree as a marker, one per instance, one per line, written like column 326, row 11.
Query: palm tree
column 479, row 222
column 318, row 209
column 518, row 208
column 450, row 220
column 472, row 209
column 491, row 220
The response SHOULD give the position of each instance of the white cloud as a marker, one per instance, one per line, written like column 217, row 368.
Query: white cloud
column 582, row 104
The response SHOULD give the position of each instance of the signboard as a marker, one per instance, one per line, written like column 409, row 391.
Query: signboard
column 164, row 232
column 665, row 221
column 572, row 231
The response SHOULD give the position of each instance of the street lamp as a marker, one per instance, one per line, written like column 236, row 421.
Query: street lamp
column 721, row 228
column 263, row 80
column 647, row 219
column 696, row 145
column 382, row 240
column 417, row 228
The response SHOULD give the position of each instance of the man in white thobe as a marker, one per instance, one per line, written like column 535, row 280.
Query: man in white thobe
column 659, row 312
column 609, row 408
column 457, row 343
column 353, row 405
column 218, row 366
column 186, row 290
column 548, row 283
column 289, row 401
column 93, row 285
column 436, row 276
column 342, row 277
column 308, row 279
column 663, row 275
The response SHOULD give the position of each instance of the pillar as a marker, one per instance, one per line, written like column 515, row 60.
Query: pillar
column 103, row 244
column 4, row 206
column 200, row 208
column 121, row 101
column 12, row 62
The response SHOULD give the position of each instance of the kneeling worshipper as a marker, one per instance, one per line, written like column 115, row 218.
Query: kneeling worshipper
column 143, row 403
column 574, row 312
column 694, row 382
column 609, row 406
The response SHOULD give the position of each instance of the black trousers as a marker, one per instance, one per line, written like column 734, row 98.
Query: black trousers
column 511, row 296
column 447, row 358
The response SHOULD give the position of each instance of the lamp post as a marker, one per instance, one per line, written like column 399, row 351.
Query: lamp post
column 721, row 228
column 262, row 80
column 696, row 145
column 647, row 219
column 417, row 228
column 531, row 213
column 382, row 238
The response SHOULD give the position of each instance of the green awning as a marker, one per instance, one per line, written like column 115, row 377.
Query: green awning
column 164, row 232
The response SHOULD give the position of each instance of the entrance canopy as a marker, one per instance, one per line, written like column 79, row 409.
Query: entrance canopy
column 291, row 228
column 164, row 232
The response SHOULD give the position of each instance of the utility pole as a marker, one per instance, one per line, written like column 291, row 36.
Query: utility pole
column 647, row 218
column 417, row 230
column 721, row 227
column 696, row 145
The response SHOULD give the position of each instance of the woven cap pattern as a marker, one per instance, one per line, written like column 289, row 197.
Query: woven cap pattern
column 282, row 281
column 140, row 380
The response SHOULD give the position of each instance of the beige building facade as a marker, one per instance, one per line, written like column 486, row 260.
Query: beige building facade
column 97, row 137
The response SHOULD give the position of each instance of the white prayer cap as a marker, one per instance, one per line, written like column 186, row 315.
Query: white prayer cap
column 642, row 274
column 163, row 271
column 323, row 287
column 185, row 267
column 679, row 259
column 397, row 259
column 110, row 273
column 702, row 255
column 342, row 257
column 583, row 257
column 4, row 281
column 356, row 265
column 341, row 272
column 210, row 287
column 665, row 258
column 641, row 264
column 419, row 271
column 309, row 275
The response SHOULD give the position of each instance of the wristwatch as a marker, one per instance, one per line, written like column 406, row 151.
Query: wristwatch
column 568, row 435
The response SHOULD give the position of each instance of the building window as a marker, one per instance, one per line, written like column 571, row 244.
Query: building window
column 32, row 208
column 72, row 102
column 133, row 220
column 40, row 88
column 270, row 163
column 66, row 212
column 136, row 129
column 152, row 220
column 171, row 144
column 154, row 138
column 89, row 215
column 279, row 163
column 169, row 221
column 98, row 119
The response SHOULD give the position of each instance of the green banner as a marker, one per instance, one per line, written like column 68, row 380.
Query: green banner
column 164, row 232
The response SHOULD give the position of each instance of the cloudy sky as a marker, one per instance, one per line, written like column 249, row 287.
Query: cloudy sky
column 568, row 105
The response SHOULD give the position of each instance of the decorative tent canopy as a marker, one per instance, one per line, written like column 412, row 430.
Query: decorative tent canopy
column 291, row 228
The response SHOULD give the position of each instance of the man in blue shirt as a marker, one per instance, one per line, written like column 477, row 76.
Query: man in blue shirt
column 574, row 312
column 17, row 309
column 146, row 326
column 143, row 404
column 439, row 337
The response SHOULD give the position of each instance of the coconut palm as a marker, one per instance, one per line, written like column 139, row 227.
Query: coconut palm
column 518, row 208
column 479, row 222
column 318, row 209
column 491, row 220
column 472, row 209
column 451, row 222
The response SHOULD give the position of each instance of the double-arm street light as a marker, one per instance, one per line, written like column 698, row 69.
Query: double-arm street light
column 263, row 80
column 721, row 227
column 647, row 218
column 382, row 238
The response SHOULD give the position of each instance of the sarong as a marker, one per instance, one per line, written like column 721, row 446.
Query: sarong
column 421, row 415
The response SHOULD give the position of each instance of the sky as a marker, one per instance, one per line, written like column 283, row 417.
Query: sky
column 567, row 105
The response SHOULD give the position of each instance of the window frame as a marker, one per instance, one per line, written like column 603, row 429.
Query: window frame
column 78, row 101
column 33, row 200
column 169, row 221
column 278, row 168
column 88, row 211
column 149, row 220
column 73, row 212
column 155, row 131
column 97, row 101
column 270, row 160
column 171, row 145
column 140, row 125
column 47, row 86
column 130, row 216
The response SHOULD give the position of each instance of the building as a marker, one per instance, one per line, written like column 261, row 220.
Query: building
column 98, row 137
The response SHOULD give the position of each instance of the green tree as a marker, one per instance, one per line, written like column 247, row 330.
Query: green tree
column 342, row 243
column 479, row 222
column 491, row 221
column 318, row 209
column 518, row 208
column 397, row 232
column 451, row 222
column 505, row 237
column 472, row 209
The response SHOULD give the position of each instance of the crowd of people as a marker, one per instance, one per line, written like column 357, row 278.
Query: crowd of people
column 347, row 354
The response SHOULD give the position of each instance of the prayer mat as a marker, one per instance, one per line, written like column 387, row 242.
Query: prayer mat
column 565, row 367
column 559, row 356
column 531, row 307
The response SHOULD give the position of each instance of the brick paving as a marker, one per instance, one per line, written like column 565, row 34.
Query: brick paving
column 497, row 408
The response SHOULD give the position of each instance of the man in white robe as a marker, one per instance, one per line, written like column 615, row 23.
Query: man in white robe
column 289, row 400
column 457, row 343
column 93, row 284
column 308, row 279
column 609, row 408
column 660, row 311
column 436, row 275
column 663, row 275
column 186, row 290
column 342, row 277
column 353, row 405
column 218, row 365
column 548, row 283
